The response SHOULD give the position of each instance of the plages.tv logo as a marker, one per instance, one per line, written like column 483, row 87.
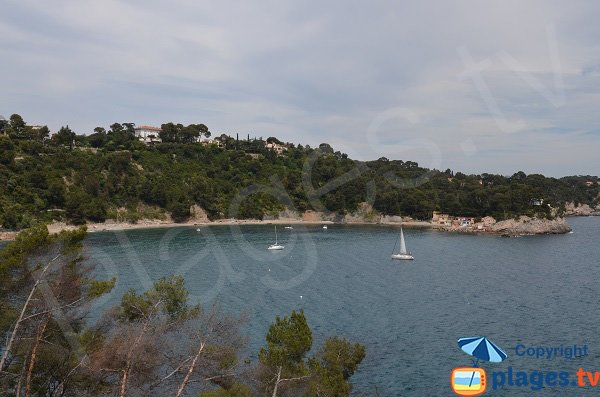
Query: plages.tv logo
column 472, row 381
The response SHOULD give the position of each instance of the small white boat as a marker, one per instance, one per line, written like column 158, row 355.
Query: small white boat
column 403, row 254
column 198, row 229
column 288, row 227
column 325, row 227
column 276, row 246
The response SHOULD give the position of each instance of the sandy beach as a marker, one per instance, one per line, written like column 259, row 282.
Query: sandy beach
column 56, row 227
column 525, row 226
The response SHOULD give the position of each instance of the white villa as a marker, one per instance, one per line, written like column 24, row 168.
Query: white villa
column 277, row 148
column 147, row 134
column 210, row 141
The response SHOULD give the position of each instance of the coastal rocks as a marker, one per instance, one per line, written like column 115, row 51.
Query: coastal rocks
column 364, row 214
column 198, row 215
column 521, row 226
column 385, row 219
column 7, row 236
column 289, row 214
column 580, row 210
column 487, row 222
column 311, row 216
column 526, row 225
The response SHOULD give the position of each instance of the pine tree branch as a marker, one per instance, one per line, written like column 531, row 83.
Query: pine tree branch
column 53, row 309
column 22, row 314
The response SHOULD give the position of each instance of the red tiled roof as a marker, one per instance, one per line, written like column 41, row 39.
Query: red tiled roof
column 147, row 127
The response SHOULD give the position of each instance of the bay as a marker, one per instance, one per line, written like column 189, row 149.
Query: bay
column 533, row 290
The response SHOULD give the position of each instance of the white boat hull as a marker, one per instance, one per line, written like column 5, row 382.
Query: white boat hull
column 276, row 246
column 405, row 257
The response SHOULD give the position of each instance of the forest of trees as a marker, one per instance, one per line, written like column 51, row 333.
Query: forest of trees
column 152, row 343
column 79, row 178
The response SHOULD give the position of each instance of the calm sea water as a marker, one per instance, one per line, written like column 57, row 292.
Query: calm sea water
column 537, row 290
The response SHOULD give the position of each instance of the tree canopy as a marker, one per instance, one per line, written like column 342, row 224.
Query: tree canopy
column 109, row 173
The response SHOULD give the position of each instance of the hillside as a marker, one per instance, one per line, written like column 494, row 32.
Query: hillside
column 111, row 174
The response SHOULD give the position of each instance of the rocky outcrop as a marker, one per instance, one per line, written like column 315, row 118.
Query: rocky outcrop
column 364, row 214
column 312, row 216
column 526, row 225
column 393, row 219
column 198, row 215
column 317, row 217
column 289, row 214
column 581, row 210
column 7, row 236
column 285, row 215
column 487, row 222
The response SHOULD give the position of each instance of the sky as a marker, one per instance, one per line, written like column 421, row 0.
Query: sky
column 475, row 86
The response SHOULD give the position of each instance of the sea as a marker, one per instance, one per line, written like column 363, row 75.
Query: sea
column 524, row 294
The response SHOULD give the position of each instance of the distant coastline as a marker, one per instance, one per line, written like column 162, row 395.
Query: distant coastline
column 158, row 224
column 364, row 216
column 505, row 228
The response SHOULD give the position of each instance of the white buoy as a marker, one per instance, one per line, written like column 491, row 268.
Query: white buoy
column 300, row 296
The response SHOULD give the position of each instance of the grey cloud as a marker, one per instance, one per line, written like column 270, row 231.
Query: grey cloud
column 312, row 72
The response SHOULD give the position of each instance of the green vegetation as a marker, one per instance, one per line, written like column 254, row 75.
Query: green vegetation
column 152, row 343
column 285, row 369
column 44, row 296
column 81, row 178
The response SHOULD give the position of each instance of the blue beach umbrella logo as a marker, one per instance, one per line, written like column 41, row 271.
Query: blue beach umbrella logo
column 483, row 349
column 471, row 381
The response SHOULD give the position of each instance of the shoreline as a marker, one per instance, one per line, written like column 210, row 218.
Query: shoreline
column 57, row 227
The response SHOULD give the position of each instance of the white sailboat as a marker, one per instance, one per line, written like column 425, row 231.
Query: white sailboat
column 276, row 246
column 403, row 254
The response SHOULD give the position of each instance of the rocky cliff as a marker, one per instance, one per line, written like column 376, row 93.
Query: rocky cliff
column 198, row 215
column 364, row 214
column 526, row 225
column 581, row 210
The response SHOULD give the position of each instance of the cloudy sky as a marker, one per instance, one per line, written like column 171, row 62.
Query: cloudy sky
column 469, row 85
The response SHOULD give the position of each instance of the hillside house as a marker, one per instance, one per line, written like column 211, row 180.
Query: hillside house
column 441, row 219
column 466, row 221
column 276, row 147
column 211, row 142
column 148, row 134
